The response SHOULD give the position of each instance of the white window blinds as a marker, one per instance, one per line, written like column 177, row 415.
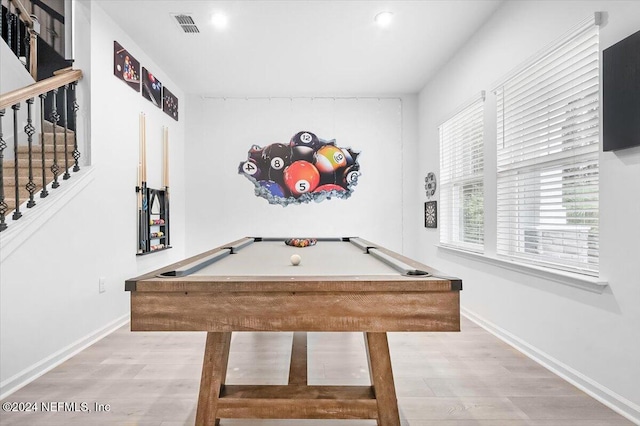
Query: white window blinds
column 461, row 179
column 548, row 145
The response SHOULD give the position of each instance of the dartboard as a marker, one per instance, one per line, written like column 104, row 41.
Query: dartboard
column 430, row 184
column 430, row 214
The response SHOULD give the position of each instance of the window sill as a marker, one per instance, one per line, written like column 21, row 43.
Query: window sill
column 585, row 282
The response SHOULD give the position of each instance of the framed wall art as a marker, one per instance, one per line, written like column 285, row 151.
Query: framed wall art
column 151, row 88
column 170, row 104
column 431, row 214
column 126, row 67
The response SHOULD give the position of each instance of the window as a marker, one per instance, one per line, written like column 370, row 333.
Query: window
column 461, row 179
column 548, row 146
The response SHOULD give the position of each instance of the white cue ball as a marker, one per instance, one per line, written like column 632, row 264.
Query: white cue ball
column 295, row 259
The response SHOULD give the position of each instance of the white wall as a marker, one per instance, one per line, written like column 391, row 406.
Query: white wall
column 221, row 203
column 593, row 339
column 49, row 299
column 13, row 75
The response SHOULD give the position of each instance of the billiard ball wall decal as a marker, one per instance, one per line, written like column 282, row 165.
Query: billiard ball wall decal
column 305, row 169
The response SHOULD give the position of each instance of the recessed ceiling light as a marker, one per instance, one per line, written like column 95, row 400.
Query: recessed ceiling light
column 383, row 19
column 219, row 20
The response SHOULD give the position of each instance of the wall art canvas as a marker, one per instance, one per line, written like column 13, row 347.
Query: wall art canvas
column 169, row 103
column 306, row 168
column 431, row 214
column 430, row 185
column 151, row 88
column 126, row 67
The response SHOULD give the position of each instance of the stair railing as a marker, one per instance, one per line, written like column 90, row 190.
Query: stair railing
column 17, row 12
column 46, row 90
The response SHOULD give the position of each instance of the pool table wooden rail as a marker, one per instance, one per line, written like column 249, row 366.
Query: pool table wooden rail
column 295, row 311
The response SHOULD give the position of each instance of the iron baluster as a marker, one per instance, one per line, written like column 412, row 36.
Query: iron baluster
column 30, row 130
column 17, row 21
column 44, row 191
column 54, row 121
column 16, row 213
column 76, row 107
column 3, row 205
column 9, row 20
column 66, row 129
column 27, row 49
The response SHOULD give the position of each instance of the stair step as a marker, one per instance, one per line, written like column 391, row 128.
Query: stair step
column 36, row 144
column 23, row 158
column 24, row 194
column 48, row 127
column 23, row 172
column 9, row 180
column 48, row 138
column 48, row 148
column 11, row 204
column 36, row 163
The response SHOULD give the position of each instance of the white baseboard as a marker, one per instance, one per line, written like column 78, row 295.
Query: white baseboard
column 29, row 374
column 616, row 402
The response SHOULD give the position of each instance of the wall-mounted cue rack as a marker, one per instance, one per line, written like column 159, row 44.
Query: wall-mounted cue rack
column 153, row 204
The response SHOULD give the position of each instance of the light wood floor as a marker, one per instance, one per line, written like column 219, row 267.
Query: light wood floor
column 445, row 379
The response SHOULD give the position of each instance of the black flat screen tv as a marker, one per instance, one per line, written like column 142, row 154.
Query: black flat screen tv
column 621, row 94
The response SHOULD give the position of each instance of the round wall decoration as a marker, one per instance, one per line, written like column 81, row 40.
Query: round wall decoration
column 430, row 184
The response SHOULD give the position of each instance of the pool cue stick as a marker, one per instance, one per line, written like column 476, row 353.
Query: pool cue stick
column 139, row 185
column 165, row 179
column 144, row 149
column 165, row 157
column 145, row 192
column 143, row 220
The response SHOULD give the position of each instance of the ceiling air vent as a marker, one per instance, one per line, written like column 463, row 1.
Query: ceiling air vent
column 186, row 23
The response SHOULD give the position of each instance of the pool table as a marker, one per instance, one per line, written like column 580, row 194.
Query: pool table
column 341, row 284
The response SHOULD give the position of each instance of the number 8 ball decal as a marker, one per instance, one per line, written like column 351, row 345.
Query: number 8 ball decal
column 306, row 169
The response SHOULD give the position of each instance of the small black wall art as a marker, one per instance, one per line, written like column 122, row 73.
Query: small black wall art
column 170, row 104
column 151, row 88
column 431, row 214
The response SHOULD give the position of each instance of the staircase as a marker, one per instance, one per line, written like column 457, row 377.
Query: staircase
column 9, row 179
column 37, row 173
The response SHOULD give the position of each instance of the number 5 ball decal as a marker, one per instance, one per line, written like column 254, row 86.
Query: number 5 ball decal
column 301, row 177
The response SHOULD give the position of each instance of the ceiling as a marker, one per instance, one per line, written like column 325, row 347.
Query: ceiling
column 301, row 47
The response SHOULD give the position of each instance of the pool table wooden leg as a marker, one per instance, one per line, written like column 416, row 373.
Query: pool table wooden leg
column 298, row 366
column 382, row 378
column 214, row 371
